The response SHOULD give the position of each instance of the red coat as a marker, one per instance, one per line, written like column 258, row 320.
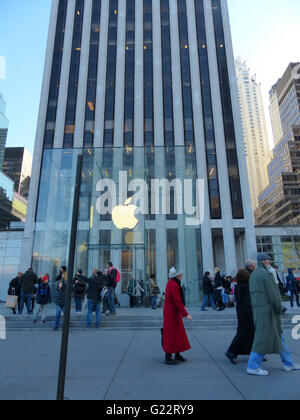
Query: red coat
column 174, row 336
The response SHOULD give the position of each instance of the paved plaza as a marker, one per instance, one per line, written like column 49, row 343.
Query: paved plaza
column 128, row 365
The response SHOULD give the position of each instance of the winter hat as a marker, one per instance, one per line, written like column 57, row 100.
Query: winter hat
column 263, row 257
column 45, row 278
column 173, row 273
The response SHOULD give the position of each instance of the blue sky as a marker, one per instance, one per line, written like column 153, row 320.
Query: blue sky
column 266, row 33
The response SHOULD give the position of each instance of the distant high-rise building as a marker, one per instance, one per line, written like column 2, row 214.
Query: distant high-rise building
column 3, row 129
column 255, row 132
column 280, row 202
column 275, row 116
column 17, row 165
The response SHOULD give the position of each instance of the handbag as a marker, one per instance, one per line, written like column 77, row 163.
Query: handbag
column 156, row 290
column 11, row 302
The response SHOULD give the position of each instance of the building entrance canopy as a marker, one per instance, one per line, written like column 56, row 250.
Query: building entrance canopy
column 140, row 208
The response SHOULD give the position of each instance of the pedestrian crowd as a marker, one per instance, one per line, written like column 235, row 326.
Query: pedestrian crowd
column 257, row 291
column 87, row 292
column 141, row 295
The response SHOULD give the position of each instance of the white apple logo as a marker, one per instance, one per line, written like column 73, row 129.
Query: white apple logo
column 124, row 216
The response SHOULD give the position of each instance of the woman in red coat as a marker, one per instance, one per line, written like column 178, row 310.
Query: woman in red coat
column 175, row 340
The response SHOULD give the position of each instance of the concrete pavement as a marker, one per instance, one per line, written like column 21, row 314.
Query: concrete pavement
column 127, row 365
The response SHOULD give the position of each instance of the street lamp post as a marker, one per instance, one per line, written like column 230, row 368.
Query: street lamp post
column 71, row 262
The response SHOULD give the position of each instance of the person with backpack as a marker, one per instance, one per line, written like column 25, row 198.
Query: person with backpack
column 79, row 292
column 95, row 289
column 113, row 277
column 43, row 298
column 292, row 287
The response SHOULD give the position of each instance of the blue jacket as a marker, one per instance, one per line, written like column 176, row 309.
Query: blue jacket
column 43, row 294
column 291, row 282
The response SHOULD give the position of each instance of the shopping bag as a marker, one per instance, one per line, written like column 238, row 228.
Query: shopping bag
column 11, row 302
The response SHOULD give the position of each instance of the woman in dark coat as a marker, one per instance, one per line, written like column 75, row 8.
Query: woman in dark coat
column 175, row 340
column 243, row 342
column 15, row 289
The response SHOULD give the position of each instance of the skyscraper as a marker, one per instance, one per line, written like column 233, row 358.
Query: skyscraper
column 145, row 89
column 280, row 201
column 275, row 116
column 3, row 129
column 255, row 130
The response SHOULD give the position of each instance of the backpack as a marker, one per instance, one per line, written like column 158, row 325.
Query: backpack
column 104, row 293
column 118, row 277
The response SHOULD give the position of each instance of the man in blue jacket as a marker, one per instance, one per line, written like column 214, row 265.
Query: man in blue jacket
column 291, row 283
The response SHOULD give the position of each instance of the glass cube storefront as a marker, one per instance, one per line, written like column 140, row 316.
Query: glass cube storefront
column 166, row 232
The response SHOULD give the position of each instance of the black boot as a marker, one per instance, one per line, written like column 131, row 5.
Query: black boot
column 232, row 357
column 179, row 358
column 169, row 360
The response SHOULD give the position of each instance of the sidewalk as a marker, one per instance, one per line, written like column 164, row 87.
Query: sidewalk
column 128, row 365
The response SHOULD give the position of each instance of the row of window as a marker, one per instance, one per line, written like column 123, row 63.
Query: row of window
column 92, row 75
column 108, row 139
column 73, row 75
column 55, row 74
column 229, row 129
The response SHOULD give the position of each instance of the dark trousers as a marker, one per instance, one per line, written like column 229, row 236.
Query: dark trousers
column 93, row 306
column 25, row 298
column 78, row 304
column 14, row 310
column 294, row 293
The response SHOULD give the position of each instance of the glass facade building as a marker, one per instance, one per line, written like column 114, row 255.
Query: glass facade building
column 160, row 102
column 279, row 203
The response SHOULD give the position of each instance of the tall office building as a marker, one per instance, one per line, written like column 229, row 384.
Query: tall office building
column 280, row 201
column 3, row 129
column 145, row 90
column 255, row 131
column 275, row 116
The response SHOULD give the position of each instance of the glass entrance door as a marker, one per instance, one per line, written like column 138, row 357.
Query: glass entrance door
column 132, row 265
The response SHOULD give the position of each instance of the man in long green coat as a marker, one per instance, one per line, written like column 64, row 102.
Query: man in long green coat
column 267, row 311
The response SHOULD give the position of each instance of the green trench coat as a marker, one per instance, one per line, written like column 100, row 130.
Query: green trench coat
column 267, row 310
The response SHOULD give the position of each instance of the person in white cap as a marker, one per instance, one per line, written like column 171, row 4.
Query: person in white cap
column 175, row 340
